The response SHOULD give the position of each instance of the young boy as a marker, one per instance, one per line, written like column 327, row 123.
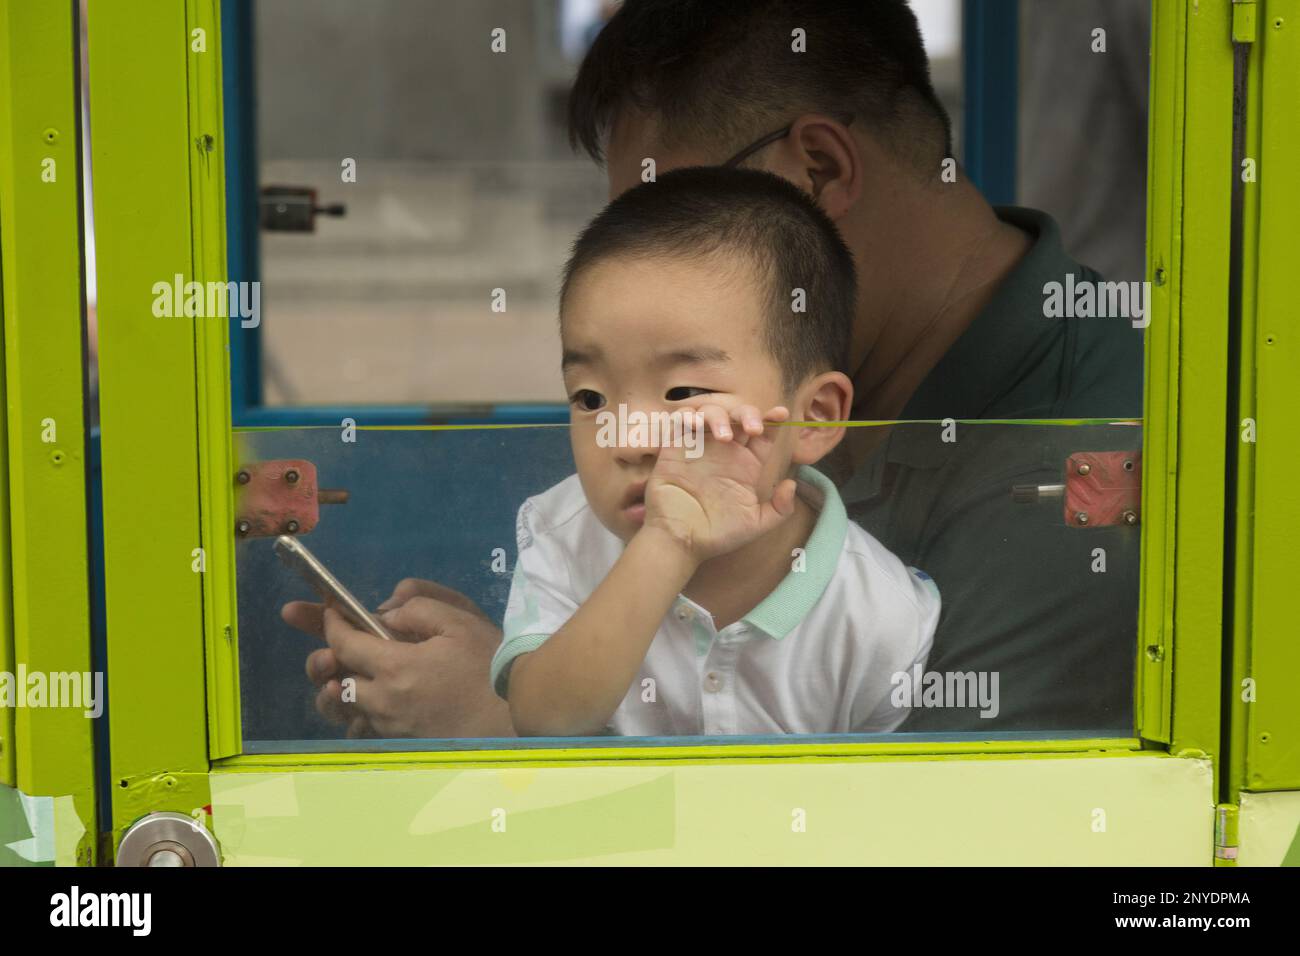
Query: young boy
column 711, row 583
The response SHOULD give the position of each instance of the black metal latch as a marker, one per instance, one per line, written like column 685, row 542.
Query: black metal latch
column 294, row 209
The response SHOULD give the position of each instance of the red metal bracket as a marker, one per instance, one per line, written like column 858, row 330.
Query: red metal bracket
column 1103, row 488
column 279, row 497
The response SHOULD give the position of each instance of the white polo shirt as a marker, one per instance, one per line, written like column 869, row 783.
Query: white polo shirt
column 818, row 655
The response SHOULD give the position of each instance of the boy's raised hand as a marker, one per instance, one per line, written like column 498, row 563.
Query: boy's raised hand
column 713, row 504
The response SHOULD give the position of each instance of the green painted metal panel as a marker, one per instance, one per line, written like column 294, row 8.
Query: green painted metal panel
column 49, row 748
column 1203, row 375
column 1160, row 402
column 1236, row 691
column 1273, row 719
column 1140, row 809
column 142, row 149
column 8, row 750
column 212, row 343
column 1189, row 213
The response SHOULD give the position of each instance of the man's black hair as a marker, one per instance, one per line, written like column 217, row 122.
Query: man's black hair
column 724, row 72
column 766, row 221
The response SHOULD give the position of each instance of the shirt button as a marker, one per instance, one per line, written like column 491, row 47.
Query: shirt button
column 684, row 613
column 712, row 682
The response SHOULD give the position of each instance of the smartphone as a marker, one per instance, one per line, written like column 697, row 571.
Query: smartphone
column 295, row 554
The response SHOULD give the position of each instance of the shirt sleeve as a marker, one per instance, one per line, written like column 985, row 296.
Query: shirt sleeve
column 541, row 595
column 892, row 709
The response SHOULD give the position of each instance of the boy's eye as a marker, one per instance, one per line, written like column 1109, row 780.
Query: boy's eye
column 682, row 392
column 587, row 400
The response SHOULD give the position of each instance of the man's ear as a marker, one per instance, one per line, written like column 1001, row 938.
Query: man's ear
column 821, row 156
column 826, row 398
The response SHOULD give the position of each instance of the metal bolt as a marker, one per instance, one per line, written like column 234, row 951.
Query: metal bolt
column 291, row 527
column 243, row 477
column 291, row 476
column 1129, row 518
column 1085, row 468
column 1128, row 464
column 1155, row 652
column 243, row 526
column 167, row 856
column 1081, row 517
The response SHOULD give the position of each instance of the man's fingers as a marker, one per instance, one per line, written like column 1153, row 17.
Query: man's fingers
column 305, row 616
column 423, row 617
column 416, row 620
column 329, row 703
column 406, row 589
column 322, row 665
column 358, row 652
column 409, row 588
column 339, row 707
column 360, row 727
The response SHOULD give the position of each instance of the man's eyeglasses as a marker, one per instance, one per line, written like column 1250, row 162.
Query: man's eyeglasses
column 768, row 140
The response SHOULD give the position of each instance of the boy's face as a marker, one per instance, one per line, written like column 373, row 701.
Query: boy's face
column 659, row 334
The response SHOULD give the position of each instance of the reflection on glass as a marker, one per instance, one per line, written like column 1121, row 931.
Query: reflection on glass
column 1030, row 533
column 463, row 183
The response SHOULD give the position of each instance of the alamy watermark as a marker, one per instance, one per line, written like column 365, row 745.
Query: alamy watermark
column 209, row 300
column 130, row 910
column 53, row 689
column 1101, row 300
column 949, row 689
column 680, row 428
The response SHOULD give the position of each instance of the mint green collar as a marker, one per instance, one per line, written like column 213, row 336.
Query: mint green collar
column 782, row 610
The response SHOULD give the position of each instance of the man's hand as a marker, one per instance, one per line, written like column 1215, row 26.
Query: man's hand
column 432, row 682
column 712, row 505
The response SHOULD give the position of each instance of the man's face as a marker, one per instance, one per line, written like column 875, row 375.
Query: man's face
column 658, row 335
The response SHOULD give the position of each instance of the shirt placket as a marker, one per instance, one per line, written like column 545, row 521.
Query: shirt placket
column 719, row 681
column 712, row 685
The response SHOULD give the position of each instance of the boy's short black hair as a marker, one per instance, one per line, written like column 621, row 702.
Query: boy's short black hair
column 724, row 72
column 790, row 243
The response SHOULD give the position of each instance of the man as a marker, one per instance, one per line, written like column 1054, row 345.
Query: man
column 835, row 96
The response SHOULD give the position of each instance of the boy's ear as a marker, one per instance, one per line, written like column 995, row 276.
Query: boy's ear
column 827, row 398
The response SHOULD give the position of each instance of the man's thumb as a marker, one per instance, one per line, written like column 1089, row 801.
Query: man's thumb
column 401, row 623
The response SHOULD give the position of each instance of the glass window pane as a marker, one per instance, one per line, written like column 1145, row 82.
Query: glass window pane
column 1009, row 560
column 438, row 285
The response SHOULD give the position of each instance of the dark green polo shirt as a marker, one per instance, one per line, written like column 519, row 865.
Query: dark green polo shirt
column 1023, row 594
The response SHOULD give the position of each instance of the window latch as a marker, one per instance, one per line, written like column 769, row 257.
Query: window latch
column 1101, row 489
